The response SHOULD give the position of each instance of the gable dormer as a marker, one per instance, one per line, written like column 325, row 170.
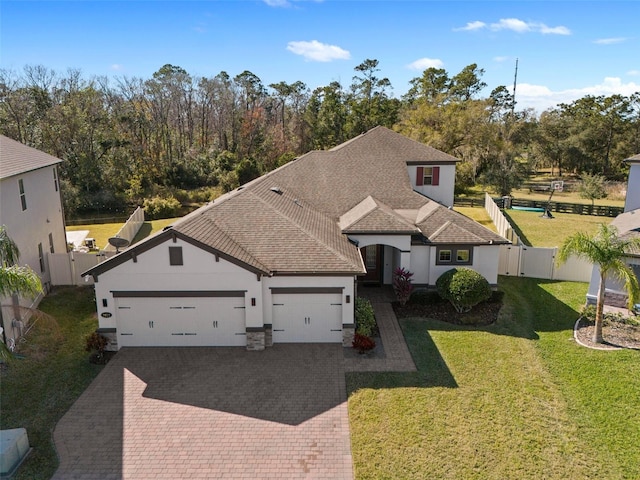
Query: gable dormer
column 433, row 179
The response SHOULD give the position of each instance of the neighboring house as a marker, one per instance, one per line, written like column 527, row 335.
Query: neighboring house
column 31, row 209
column 628, row 225
column 280, row 259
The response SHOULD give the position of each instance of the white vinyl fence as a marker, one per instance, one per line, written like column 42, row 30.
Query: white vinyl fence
column 66, row 268
column 523, row 261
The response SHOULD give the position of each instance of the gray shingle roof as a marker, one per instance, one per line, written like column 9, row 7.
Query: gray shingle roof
column 296, row 218
column 17, row 158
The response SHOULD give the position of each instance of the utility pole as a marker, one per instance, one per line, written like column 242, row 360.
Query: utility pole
column 515, row 83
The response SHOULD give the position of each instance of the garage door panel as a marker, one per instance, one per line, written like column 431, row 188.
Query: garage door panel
column 307, row 318
column 179, row 321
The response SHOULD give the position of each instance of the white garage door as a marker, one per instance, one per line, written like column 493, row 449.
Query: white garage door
column 181, row 321
column 307, row 317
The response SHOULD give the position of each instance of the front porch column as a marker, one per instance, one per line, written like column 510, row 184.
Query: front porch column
column 405, row 260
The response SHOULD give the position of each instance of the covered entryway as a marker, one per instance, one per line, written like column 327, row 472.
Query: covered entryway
column 181, row 321
column 307, row 315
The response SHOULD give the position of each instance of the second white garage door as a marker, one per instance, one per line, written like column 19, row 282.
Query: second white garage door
column 181, row 321
column 307, row 318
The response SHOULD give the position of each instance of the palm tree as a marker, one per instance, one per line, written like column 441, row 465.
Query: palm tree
column 14, row 279
column 608, row 251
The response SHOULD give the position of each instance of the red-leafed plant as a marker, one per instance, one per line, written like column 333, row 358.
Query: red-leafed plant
column 362, row 343
column 402, row 285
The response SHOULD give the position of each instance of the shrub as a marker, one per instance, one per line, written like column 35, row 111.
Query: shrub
column 464, row 288
column 589, row 313
column 402, row 284
column 365, row 318
column 363, row 343
column 161, row 207
column 96, row 343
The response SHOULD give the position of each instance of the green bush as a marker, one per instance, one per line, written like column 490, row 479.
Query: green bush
column 464, row 288
column 589, row 313
column 365, row 318
column 161, row 207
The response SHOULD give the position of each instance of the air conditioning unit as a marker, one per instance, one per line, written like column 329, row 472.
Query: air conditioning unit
column 90, row 242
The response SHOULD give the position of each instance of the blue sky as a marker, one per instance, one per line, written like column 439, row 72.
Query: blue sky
column 565, row 49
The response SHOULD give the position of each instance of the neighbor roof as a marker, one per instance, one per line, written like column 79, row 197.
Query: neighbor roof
column 634, row 159
column 17, row 158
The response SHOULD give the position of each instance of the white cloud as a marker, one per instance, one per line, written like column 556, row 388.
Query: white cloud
column 609, row 41
column 424, row 63
column 471, row 26
column 317, row 51
column 516, row 25
column 542, row 98
column 501, row 59
column 633, row 73
column 117, row 67
column 277, row 3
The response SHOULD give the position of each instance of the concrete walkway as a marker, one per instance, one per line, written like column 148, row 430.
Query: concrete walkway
column 396, row 357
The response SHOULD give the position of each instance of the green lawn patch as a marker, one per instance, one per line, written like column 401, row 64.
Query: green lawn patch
column 100, row 231
column 479, row 214
column 38, row 389
column 517, row 399
column 550, row 232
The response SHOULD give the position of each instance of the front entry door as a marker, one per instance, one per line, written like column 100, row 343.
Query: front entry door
column 372, row 256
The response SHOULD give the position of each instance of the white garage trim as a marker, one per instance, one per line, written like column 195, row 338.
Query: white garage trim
column 176, row 293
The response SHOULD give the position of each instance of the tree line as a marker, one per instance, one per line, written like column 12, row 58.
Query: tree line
column 177, row 136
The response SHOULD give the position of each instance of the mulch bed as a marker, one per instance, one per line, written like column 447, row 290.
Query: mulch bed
column 485, row 313
column 616, row 335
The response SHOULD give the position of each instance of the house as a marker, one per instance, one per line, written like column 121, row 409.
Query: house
column 280, row 259
column 31, row 210
column 628, row 225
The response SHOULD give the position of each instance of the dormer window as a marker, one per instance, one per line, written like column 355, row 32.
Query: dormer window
column 428, row 176
column 175, row 256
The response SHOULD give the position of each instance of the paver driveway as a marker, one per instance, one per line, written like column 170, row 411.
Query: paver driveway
column 156, row 413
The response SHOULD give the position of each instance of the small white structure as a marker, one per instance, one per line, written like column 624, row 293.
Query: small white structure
column 31, row 210
column 628, row 225
column 278, row 260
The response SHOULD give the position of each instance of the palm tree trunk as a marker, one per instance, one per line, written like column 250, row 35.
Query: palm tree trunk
column 597, row 332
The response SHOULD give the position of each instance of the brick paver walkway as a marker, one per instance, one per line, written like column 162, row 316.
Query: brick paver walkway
column 195, row 413
column 396, row 353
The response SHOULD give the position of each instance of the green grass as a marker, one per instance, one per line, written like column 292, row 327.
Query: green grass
column 551, row 232
column 479, row 214
column 38, row 389
column 518, row 399
column 102, row 231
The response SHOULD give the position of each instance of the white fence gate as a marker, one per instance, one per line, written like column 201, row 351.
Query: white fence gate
column 537, row 262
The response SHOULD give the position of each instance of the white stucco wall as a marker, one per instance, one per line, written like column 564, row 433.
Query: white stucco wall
column 485, row 262
column 199, row 271
column 444, row 191
column 420, row 263
column 31, row 227
column 632, row 200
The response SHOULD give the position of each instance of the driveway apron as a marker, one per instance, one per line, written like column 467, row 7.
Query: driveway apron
column 178, row 413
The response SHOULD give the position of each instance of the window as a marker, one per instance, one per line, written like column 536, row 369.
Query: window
column 175, row 256
column 55, row 178
column 41, row 257
column 454, row 255
column 23, row 197
column 51, row 249
column 428, row 176
column 444, row 256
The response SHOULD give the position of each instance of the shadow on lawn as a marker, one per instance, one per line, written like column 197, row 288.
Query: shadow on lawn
column 527, row 309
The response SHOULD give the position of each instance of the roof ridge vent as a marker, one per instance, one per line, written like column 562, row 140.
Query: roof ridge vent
column 277, row 190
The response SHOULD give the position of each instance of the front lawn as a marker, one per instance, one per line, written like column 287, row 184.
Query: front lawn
column 38, row 389
column 517, row 399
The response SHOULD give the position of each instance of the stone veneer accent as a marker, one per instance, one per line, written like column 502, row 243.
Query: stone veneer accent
column 255, row 339
column 348, row 331
column 268, row 335
column 111, row 335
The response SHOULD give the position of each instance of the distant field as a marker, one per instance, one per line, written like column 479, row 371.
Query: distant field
column 544, row 232
column 479, row 214
column 102, row 231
